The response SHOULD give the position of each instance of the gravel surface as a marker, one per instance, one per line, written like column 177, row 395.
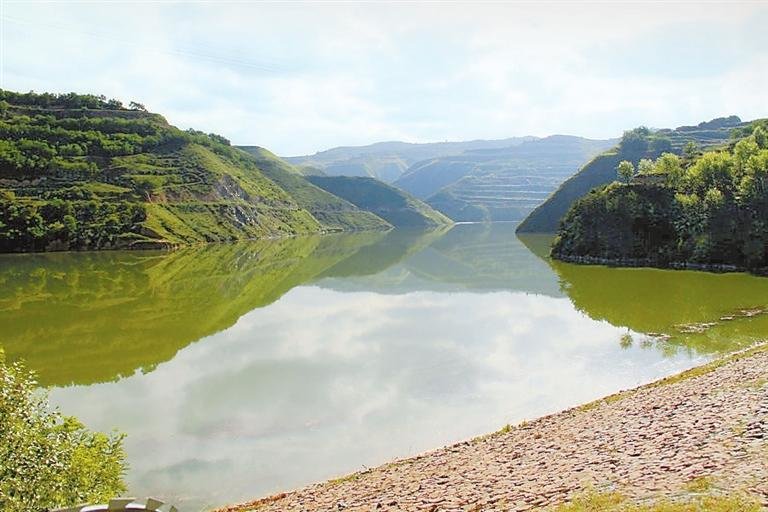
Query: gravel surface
column 655, row 441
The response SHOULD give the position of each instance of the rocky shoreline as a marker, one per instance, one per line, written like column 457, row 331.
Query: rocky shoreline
column 705, row 428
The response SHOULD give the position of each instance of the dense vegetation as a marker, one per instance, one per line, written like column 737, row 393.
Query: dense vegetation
column 635, row 145
column 498, row 183
column 84, row 172
column 391, row 204
column 708, row 209
column 48, row 460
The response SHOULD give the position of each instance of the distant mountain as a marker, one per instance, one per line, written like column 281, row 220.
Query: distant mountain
column 386, row 161
column 634, row 146
column 391, row 204
column 499, row 183
column 83, row 172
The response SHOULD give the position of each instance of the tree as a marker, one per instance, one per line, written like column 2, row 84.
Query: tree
column 635, row 140
column 115, row 104
column 713, row 170
column 742, row 152
column 137, row 106
column 219, row 138
column 646, row 166
column 70, row 225
column 49, row 460
column 625, row 170
column 690, row 150
column 669, row 164
column 760, row 136
column 660, row 144
column 714, row 198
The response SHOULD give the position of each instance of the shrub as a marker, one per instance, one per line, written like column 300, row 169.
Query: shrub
column 48, row 460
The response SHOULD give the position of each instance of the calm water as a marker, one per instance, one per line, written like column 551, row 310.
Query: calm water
column 240, row 370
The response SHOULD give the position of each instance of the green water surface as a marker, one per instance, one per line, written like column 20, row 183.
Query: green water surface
column 244, row 369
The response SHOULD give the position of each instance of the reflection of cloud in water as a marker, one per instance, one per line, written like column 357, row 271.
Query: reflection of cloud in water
column 321, row 383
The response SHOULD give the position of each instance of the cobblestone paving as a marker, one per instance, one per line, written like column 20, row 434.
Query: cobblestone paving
column 650, row 442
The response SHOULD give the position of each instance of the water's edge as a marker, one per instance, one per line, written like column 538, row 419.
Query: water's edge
column 626, row 394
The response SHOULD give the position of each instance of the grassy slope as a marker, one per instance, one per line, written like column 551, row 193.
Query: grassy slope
column 231, row 201
column 602, row 169
column 393, row 205
column 333, row 212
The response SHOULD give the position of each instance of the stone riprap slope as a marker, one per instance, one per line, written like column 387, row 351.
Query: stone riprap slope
column 648, row 443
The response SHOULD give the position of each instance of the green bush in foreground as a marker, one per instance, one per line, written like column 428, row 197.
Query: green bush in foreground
column 48, row 460
column 614, row 502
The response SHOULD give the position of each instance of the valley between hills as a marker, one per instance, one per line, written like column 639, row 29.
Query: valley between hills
column 80, row 172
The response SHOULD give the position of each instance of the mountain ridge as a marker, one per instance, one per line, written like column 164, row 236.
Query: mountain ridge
column 499, row 183
column 78, row 171
column 387, row 160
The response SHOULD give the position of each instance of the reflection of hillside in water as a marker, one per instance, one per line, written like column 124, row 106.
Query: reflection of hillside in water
column 91, row 317
column 80, row 318
column 700, row 311
column 479, row 257
column 672, row 302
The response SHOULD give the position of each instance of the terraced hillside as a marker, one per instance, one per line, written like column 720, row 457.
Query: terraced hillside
column 635, row 145
column 82, row 172
column 386, row 161
column 500, row 183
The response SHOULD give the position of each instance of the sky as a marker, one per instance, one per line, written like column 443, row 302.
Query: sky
column 299, row 77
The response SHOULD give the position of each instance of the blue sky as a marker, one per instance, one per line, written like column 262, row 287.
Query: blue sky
column 298, row 77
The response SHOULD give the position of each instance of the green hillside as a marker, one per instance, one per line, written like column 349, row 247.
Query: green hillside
column 393, row 205
column 387, row 161
column 500, row 183
column 636, row 144
column 333, row 212
column 704, row 211
column 84, row 172
column 302, row 169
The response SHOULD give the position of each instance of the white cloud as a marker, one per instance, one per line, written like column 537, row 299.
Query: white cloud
column 299, row 77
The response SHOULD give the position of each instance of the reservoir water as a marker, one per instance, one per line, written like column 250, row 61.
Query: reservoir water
column 246, row 369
